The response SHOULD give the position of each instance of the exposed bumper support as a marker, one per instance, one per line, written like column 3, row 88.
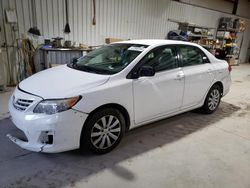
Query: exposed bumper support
column 25, row 145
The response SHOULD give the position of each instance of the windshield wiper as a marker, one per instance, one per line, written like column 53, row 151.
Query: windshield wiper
column 92, row 69
column 84, row 68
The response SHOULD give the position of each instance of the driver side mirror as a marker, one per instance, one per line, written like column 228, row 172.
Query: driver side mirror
column 144, row 71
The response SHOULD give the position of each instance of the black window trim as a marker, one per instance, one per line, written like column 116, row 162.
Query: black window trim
column 140, row 63
column 180, row 55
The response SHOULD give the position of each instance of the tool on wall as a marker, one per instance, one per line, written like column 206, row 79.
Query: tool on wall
column 67, row 28
column 94, row 13
column 28, row 52
column 34, row 30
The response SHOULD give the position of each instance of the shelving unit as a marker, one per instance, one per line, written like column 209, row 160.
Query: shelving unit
column 199, row 34
column 202, row 35
column 230, row 40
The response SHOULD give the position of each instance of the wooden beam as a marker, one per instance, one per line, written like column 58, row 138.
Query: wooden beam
column 236, row 2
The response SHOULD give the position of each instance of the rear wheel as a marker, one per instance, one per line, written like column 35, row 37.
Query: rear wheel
column 103, row 131
column 212, row 100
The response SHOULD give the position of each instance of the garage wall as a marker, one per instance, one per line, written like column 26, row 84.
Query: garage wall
column 122, row 19
column 117, row 18
column 127, row 19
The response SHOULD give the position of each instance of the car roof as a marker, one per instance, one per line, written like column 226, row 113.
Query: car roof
column 160, row 42
column 151, row 42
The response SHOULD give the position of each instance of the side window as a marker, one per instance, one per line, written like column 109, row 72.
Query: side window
column 192, row 56
column 163, row 58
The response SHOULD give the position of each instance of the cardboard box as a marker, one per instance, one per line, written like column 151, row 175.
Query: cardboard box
column 111, row 40
column 203, row 42
column 231, row 60
column 54, row 65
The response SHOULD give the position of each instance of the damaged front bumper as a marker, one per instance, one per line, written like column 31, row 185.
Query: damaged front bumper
column 47, row 133
column 25, row 145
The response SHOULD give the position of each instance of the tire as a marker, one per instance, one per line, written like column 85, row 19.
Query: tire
column 103, row 131
column 212, row 100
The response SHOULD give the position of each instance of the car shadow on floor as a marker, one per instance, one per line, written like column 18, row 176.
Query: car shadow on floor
column 68, row 168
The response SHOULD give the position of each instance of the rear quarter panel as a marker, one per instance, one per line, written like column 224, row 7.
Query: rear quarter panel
column 222, row 74
column 220, row 69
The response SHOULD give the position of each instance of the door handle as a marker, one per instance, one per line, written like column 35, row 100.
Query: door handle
column 209, row 71
column 179, row 76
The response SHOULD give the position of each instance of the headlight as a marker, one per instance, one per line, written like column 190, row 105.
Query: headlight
column 52, row 106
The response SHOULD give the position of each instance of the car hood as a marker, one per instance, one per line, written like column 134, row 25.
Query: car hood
column 61, row 82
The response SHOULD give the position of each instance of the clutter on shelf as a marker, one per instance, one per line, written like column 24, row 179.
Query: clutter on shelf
column 193, row 33
column 229, row 39
column 224, row 42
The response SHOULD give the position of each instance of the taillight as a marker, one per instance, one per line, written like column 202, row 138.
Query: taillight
column 229, row 68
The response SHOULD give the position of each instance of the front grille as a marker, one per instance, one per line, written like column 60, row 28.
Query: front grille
column 21, row 104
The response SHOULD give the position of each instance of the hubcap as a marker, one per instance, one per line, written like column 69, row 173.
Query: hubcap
column 213, row 99
column 105, row 132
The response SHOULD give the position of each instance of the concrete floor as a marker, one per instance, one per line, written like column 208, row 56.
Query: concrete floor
column 189, row 150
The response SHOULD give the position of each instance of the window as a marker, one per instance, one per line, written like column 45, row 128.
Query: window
column 109, row 59
column 192, row 56
column 160, row 59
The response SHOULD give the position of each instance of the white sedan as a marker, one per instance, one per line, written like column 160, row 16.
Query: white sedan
column 94, row 100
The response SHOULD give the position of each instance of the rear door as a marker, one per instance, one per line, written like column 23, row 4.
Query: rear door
column 199, row 74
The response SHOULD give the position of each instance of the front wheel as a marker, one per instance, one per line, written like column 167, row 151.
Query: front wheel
column 212, row 100
column 103, row 131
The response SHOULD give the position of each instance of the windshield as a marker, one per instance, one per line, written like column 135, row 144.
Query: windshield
column 109, row 59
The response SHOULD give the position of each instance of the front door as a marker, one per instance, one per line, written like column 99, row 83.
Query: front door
column 162, row 93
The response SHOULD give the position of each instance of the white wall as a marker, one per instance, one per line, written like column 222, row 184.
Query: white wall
column 127, row 19
column 117, row 18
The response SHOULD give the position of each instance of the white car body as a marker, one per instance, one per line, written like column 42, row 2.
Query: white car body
column 145, row 99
